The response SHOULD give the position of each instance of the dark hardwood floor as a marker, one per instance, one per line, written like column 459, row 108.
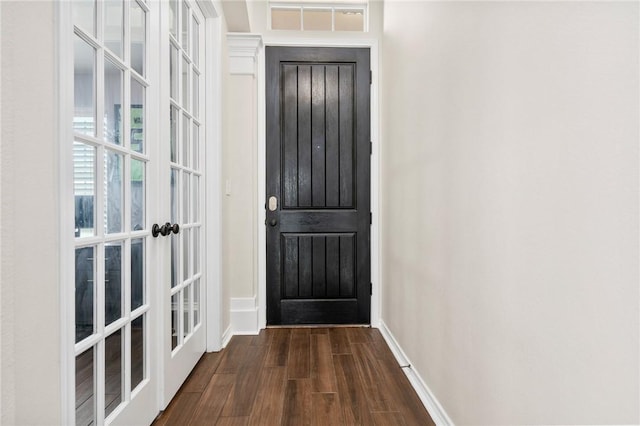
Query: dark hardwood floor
column 298, row 376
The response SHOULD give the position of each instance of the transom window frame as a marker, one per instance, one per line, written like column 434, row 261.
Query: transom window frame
column 356, row 7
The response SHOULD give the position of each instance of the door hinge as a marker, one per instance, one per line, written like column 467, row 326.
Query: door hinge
column 370, row 288
column 370, row 77
column 370, row 218
column 370, row 148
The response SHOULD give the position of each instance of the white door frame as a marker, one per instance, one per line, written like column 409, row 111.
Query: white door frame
column 372, row 44
column 212, row 265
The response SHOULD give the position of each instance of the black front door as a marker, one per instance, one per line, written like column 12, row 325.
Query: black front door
column 318, row 186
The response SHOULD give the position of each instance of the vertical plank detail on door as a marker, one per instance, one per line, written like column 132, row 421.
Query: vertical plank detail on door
column 347, row 264
column 290, row 276
column 346, row 167
column 290, row 135
column 332, row 138
column 318, row 167
column 305, row 256
column 319, row 266
column 304, row 136
column 333, row 266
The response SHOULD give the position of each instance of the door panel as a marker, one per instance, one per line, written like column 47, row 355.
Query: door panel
column 183, row 330
column 113, row 353
column 318, row 165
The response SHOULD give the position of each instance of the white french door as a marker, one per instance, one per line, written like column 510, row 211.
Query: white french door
column 137, row 137
column 183, row 58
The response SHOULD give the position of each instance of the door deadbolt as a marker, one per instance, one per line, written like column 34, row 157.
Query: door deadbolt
column 273, row 203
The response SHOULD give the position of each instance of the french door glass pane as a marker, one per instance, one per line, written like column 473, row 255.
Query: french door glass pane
column 195, row 33
column 85, row 388
column 186, row 251
column 113, row 191
column 84, row 188
column 185, row 197
column 196, row 98
column 112, row 102
column 84, row 15
column 137, row 116
column 196, row 250
column 137, row 273
column 113, row 25
column 113, row 281
column 174, row 320
column 185, row 26
column 196, row 302
column 186, row 328
column 173, row 72
column 85, row 292
column 173, row 18
column 185, row 84
column 173, row 122
column 196, row 198
column 113, row 360
column 137, row 194
column 174, row 195
column 137, row 351
column 84, row 84
column 174, row 259
column 196, row 145
column 186, row 129
column 138, row 22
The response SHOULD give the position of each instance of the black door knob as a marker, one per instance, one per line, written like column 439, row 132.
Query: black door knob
column 159, row 230
column 165, row 229
column 273, row 222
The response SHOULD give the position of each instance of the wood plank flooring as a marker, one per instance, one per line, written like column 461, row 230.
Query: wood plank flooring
column 298, row 377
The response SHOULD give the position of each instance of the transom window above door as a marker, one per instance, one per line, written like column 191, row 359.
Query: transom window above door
column 307, row 16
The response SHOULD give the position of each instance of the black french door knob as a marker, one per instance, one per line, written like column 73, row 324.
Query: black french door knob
column 165, row 229
column 273, row 222
column 158, row 230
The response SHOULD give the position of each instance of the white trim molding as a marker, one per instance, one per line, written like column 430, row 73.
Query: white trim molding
column 244, row 316
column 430, row 402
column 243, row 51
column 226, row 337
column 213, row 177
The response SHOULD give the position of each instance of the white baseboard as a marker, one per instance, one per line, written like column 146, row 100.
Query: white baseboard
column 244, row 316
column 427, row 397
column 226, row 336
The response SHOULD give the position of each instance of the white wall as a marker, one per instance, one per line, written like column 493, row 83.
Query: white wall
column 240, row 175
column 30, row 347
column 510, row 206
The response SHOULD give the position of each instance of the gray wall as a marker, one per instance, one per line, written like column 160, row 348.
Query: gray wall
column 510, row 206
